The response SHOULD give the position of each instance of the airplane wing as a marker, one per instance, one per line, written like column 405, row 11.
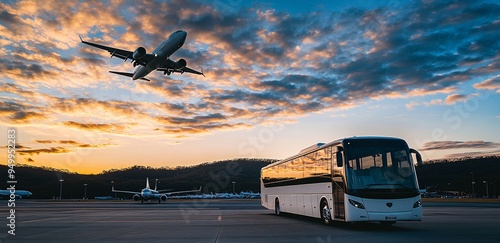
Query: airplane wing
column 180, row 70
column 130, row 192
column 180, row 192
column 165, row 190
column 122, row 54
column 127, row 74
column 189, row 70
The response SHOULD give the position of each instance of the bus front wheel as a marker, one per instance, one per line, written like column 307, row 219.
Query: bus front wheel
column 277, row 209
column 326, row 215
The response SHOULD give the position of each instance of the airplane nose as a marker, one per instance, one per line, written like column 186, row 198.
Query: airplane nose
column 182, row 34
column 136, row 74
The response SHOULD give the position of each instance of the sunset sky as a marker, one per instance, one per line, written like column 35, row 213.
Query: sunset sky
column 280, row 76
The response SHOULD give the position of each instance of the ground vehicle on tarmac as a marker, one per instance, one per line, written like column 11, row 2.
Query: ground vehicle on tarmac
column 356, row 179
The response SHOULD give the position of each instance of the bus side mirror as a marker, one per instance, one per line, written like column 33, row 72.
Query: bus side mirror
column 419, row 157
column 339, row 159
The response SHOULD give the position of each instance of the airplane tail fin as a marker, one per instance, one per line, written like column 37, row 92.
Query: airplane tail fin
column 147, row 183
column 156, row 184
column 127, row 74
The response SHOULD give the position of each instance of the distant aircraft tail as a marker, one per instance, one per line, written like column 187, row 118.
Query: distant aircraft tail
column 127, row 74
column 147, row 183
column 156, row 185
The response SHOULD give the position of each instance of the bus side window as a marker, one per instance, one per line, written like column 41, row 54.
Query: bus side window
column 337, row 162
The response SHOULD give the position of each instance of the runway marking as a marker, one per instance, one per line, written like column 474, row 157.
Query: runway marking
column 38, row 220
column 217, row 236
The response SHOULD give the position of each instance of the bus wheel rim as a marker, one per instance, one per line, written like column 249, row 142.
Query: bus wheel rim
column 326, row 213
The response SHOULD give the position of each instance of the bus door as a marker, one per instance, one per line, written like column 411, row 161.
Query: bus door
column 338, row 198
column 338, row 184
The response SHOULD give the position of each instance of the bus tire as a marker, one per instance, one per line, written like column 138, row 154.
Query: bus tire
column 326, row 215
column 277, row 209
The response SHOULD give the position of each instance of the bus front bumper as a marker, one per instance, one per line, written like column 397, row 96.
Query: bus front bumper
column 359, row 210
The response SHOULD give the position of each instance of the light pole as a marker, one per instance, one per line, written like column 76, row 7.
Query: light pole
column 60, row 189
column 487, row 191
column 473, row 185
column 85, row 194
column 112, row 187
column 234, row 183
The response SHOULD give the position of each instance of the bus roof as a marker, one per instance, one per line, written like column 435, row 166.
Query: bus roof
column 342, row 140
column 319, row 146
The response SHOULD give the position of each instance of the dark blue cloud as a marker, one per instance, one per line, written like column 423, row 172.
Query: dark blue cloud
column 7, row 18
column 287, row 63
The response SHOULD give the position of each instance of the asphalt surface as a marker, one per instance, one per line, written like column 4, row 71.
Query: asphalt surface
column 233, row 221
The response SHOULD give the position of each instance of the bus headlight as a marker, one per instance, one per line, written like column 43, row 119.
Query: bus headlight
column 356, row 204
column 417, row 204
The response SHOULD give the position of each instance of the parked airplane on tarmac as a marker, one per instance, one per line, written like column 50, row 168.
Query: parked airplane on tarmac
column 18, row 193
column 158, row 60
column 147, row 193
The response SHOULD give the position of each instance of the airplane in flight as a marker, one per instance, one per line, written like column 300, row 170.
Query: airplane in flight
column 158, row 60
column 148, row 194
column 18, row 193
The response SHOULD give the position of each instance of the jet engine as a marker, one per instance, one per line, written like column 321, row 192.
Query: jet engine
column 139, row 53
column 163, row 198
column 180, row 64
column 136, row 197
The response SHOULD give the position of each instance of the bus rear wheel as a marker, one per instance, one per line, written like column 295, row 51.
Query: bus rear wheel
column 277, row 209
column 325, row 213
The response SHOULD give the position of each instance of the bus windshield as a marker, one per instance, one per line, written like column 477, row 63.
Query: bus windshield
column 380, row 170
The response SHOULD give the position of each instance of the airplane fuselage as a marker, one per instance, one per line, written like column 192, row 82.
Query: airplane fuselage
column 148, row 194
column 162, row 53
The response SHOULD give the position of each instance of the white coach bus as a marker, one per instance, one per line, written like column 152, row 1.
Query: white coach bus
column 351, row 180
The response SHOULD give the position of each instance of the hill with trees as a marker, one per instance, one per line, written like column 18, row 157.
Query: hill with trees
column 455, row 176
column 213, row 177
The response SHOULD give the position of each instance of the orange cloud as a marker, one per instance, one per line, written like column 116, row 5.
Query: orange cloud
column 112, row 128
column 454, row 98
column 492, row 83
column 51, row 150
column 412, row 104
